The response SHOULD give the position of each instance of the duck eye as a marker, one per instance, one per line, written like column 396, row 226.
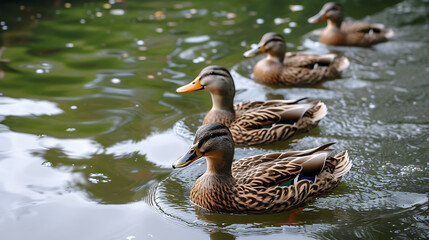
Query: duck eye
column 192, row 151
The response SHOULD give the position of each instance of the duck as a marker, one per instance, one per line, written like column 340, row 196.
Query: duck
column 253, row 122
column 292, row 68
column 343, row 33
column 267, row 183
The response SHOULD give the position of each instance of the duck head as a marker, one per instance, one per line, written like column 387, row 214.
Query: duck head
column 213, row 141
column 271, row 43
column 331, row 12
column 218, row 81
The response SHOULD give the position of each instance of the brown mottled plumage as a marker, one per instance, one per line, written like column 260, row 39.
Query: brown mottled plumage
column 259, row 184
column 348, row 33
column 254, row 122
column 292, row 68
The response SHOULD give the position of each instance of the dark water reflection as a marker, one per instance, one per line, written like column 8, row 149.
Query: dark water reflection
column 90, row 121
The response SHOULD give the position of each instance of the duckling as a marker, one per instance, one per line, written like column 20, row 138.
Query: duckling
column 293, row 69
column 342, row 33
column 254, row 122
column 266, row 183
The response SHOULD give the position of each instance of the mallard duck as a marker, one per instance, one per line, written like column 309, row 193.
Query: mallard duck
column 253, row 122
column 292, row 69
column 348, row 33
column 259, row 184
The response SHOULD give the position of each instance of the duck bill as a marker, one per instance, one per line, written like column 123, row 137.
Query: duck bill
column 254, row 51
column 320, row 17
column 189, row 157
column 192, row 86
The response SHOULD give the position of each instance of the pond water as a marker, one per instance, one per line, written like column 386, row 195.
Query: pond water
column 90, row 122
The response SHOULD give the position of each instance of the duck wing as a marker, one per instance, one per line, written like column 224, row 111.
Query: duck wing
column 274, row 173
column 363, row 27
column 265, row 125
column 365, row 34
column 249, row 163
column 308, row 60
column 249, row 106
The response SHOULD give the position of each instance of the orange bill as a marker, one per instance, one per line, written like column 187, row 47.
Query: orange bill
column 192, row 86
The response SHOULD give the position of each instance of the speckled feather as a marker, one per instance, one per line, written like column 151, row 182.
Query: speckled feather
column 294, row 69
column 254, row 122
column 338, row 32
column 253, row 187
column 358, row 33
column 261, row 122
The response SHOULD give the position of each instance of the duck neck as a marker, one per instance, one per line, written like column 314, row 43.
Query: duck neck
column 276, row 58
column 221, row 102
column 334, row 23
column 220, row 164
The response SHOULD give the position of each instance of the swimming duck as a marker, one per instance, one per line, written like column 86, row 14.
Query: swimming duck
column 348, row 33
column 292, row 69
column 266, row 183
column 254, row 122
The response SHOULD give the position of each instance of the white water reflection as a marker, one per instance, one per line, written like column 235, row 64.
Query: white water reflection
column 157, row 147
column 24, row 173
column 24, row 107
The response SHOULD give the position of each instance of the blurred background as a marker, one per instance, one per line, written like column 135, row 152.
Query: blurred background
column 90, row 121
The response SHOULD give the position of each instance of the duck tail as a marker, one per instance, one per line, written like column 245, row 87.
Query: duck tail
column 321, row 111
column 342, row 63
column 344, row 164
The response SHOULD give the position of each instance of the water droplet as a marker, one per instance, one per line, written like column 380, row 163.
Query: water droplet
column 70, row 129
column 69, row 45
column 259, row 21
column 198, row 60
column 296, row 8
column 140, row 42
column 292, row 24
column 371, row 105
column 197, row 39
column 159, row 30
column 2, row 23
column 98, row 14
column 117, row 12
column 116, row 80
column 82, row 21
column 73, row 107
column 39, row 71
column 278, row 21
column 4, row 28
column 287, row 30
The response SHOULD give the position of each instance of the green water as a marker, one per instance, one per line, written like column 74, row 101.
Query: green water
column 90, row 122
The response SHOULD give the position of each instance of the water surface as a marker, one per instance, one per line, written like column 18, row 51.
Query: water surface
column 90, row 122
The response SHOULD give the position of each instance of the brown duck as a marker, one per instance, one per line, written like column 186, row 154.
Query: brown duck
column 259, row 184
column 293, row 69
column 348, row 33
column 254, row 122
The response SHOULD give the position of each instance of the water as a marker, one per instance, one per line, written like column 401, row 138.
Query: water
column 90, row 122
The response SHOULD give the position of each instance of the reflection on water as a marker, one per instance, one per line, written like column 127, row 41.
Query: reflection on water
column 90, row 121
